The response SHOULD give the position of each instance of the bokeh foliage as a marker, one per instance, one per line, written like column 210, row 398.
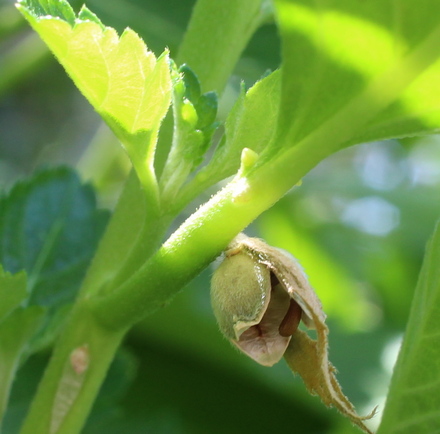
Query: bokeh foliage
column 358, row 223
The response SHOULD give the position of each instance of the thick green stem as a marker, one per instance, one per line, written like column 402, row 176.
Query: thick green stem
column 74, row 375
column 122, row 233
column 133, row 233
column 202, row 237
column 149, row 241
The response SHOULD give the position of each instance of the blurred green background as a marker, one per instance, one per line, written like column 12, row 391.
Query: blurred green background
column 358, row 223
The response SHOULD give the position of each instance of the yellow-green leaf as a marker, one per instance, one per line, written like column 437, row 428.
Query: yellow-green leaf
column 124, row 81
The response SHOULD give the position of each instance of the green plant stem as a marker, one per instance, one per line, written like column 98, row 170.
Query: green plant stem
column 66, row 395
column 203, row 236
column 82, row 327
column 150, row 239
column 121, row 235
column 212, row 50
column 130, row 219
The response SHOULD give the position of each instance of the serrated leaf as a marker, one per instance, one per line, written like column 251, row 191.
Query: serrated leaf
column 55, row 8
column 15, row 332
column 12, row 291
column 413, row 400
column 49, row 226
column 251, row 123
column 124, row 82
column 206, row 107
column 191, row 83
column 357, row 71
column 194, row 124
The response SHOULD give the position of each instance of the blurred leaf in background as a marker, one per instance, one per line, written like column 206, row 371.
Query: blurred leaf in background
column 358, row 224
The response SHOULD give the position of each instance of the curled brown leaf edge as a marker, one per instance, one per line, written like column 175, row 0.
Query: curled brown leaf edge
column 305, row 356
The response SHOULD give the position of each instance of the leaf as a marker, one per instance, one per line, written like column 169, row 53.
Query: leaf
column 357, row 71
column 194, row 124
column 123, row 81
column 12, row 291
column 413, row 400
column 250, row 124
column 50, row 227
column 15, row 332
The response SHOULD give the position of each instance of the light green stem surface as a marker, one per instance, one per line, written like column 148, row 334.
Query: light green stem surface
column 75, row 373
column 202, row 237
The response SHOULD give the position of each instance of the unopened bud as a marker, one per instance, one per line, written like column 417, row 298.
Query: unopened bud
column 259, row 295
column 252, row 303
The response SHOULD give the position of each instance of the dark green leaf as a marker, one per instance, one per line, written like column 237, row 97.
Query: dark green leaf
column 49, row 226
column 191, row 82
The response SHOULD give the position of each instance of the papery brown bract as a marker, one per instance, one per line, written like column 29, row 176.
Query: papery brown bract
column 256, row 295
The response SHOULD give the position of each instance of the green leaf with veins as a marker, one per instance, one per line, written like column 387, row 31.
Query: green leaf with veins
column 413, row 400
column 50, row 227
column 358, row 71
column 123, row 81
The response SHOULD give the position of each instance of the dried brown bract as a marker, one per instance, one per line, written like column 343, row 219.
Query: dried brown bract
column 259, row 296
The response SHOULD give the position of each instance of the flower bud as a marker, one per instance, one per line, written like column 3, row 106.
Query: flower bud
column 253, row 307
column 259, row 295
